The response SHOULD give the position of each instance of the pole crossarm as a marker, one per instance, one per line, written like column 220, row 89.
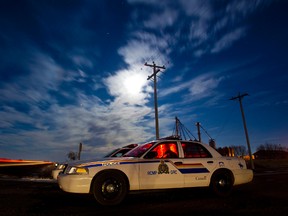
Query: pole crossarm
column 239, row 97
column 156, row 69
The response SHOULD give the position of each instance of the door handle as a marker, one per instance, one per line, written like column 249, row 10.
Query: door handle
column 210, row 162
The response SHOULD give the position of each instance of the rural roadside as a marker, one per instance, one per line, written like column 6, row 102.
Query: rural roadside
column 39, row 194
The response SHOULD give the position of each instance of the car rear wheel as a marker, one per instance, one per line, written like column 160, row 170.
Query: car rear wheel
column 110, row 188
column 222, row 183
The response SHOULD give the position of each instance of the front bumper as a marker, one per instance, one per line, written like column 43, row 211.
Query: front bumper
column 74, row 183
column 55, row 173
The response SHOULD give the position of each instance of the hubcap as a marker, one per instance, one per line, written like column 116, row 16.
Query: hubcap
column 222, row 182
column 110, row 188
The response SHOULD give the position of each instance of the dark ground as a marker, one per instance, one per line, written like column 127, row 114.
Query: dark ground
column 266, row 195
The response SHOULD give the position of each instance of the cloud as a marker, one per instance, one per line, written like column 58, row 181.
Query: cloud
column 61, row 127
column 203, row 84
column 81, row 60
column 41, row 114
column 160, row 46
column 44, row 75
column 204, row 27
column 135, row 52
column 238, row 9
column 197, row 8
column 227, row 40
column 195, row 89
column 165, row 19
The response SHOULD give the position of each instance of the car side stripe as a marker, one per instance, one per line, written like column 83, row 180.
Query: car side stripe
column 194, row 170
column 183, row 168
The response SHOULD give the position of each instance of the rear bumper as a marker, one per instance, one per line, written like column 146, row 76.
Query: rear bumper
column 242, row 176
column 74, row 183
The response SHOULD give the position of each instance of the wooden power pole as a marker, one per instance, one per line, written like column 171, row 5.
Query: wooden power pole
column 156, row 69
column 199, row 132
column 80, row 149
column 240, row 97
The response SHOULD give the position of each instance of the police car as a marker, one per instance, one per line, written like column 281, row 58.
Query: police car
column 159, row 164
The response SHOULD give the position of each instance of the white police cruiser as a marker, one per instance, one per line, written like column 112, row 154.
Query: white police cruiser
column 159, row 164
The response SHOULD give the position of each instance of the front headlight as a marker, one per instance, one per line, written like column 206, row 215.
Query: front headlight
column 77, row 170
column 61, row 166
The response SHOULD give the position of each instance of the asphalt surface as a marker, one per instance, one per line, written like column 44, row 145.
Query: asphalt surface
column 266, row 195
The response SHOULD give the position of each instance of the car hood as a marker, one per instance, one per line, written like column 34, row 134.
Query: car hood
column 98, row 160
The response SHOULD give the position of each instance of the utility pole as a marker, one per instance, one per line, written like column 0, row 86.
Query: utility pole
column 240, row 97
column 156, row 69
column 199, row 132
column 177, row 126
column 80, row 149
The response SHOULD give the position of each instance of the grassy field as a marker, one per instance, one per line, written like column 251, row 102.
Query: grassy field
column 271, row 164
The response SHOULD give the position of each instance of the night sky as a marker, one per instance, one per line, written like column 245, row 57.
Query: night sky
column 73, row 71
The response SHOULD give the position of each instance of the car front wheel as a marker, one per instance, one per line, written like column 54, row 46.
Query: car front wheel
column 110, row 188
column 222, row 183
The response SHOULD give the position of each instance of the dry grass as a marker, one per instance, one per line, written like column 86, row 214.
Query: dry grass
column 271, row 164
column 38, row 171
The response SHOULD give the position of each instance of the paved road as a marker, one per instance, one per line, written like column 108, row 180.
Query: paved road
column 266, row 195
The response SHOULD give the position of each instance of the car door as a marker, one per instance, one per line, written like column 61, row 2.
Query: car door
column 197, row 164
column 157, row 168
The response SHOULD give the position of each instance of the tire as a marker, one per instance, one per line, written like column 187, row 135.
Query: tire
column 222, row 183
column 110, row 188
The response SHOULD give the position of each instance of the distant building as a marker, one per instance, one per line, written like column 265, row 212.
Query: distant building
column 212, row 143
column 271, row 154
column 226, row 151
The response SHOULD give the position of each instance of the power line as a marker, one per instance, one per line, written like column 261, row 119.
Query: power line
column 198, row 125
column 182, row 131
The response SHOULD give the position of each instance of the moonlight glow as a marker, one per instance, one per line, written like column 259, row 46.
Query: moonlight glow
column 134, row 84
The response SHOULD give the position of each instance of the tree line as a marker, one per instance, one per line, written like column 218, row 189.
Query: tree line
column 268, row 149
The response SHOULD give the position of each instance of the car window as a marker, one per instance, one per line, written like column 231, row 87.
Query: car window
column 195, row 150
column 164, row 150
column 139, row 151
column 120, row 152
column 112, row 152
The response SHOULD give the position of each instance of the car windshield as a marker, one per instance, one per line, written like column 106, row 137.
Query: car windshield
column 112, row 152
column 139, row 151
column 121, row 151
